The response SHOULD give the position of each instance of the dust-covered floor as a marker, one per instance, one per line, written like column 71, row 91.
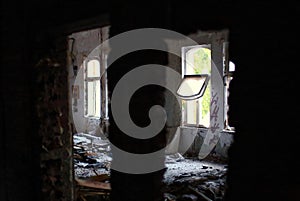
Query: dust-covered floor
column 192, row 179
column 184, row 179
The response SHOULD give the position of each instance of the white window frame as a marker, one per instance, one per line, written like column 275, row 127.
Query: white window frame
column 188, row 103
column 220, row 78
column 97, row 102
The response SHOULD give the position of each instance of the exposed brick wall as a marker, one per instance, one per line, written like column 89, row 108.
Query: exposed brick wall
column 53, row 120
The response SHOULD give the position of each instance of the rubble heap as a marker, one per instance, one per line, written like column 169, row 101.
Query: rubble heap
column 186, row 179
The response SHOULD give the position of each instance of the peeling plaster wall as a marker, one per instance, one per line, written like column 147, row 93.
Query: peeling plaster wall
column 188, row 141
column 84, row 43
column 195, row 136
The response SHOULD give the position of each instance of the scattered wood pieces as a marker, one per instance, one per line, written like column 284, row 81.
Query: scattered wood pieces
column 93, row 184
column 101, row 177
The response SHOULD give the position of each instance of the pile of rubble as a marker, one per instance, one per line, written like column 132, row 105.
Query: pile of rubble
column 186, row 179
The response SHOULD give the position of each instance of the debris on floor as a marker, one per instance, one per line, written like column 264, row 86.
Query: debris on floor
column 192, row 179
column 92, row 155
column 92, row 159
column 186, row 179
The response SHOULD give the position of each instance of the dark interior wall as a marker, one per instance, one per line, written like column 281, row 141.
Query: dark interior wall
column 264, row 105
column 20, row 161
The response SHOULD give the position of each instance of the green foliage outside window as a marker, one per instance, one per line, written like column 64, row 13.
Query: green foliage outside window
column 202, row 65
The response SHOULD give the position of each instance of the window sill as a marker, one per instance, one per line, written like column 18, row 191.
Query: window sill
column 230, row 131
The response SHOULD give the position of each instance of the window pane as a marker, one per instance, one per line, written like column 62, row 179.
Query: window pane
column 98, row 96
column 93, row 68
column 198, row 61
column 191, row 86
column 93, row 98
column 90, row 99
column 191, row 109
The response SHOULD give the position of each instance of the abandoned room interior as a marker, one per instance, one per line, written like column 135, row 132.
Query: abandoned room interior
column 229, row 99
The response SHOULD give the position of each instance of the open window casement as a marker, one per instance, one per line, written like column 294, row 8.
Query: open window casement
column 193, row 86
